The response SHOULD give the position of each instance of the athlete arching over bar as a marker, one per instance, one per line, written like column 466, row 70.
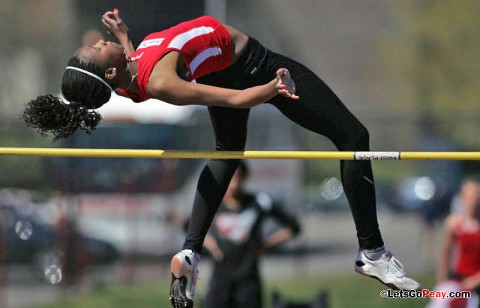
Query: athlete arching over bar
column 233, row 72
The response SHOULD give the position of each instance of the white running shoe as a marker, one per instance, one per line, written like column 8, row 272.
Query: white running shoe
column 387, row 269
column 184, row 277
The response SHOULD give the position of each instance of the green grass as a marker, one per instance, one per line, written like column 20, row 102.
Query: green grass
column 344, row 291
column 347, row 291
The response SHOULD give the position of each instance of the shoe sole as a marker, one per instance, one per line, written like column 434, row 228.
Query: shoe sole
column 178, row 297
column 390, row 285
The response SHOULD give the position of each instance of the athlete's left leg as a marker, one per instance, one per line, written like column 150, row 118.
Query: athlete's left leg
column 321, row 111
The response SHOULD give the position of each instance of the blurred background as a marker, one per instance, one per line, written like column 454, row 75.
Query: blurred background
column 74, row 227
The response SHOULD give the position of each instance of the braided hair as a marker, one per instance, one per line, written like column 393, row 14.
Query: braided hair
column 51, row 115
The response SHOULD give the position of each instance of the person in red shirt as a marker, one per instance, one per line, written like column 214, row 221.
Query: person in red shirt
column 459, row 259
column 204, row 62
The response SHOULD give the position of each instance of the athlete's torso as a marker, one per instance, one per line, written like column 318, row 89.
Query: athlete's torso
column 468, row 243
column 204, row 45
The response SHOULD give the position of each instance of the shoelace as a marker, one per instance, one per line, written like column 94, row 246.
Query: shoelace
column 397, row 265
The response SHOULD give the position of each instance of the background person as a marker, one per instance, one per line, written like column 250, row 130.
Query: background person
column 458, row 265
column 235, row 240
column 468, row 194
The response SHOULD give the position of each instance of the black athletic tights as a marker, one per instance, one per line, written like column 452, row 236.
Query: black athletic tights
column 318, row 110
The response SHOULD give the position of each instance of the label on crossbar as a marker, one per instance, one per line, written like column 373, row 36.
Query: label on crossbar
column 377, row 155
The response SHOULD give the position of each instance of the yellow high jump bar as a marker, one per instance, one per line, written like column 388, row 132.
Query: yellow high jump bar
column 313, row 155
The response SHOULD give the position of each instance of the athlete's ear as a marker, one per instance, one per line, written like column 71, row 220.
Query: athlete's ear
column 110, row 73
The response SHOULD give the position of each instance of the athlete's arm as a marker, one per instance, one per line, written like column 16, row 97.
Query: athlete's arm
column 471, row 282
column 119, row 29
column 443, row 265
column 277, row 238
column 289, row 227
column 212, row 246
column 166, row 85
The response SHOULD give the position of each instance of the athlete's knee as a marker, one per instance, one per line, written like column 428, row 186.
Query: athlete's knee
column 232, row 164
column 237, row 144
column 358, row 139
column 223, row 168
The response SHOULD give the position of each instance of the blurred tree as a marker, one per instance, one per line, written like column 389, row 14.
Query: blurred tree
column 33, row 39
column 433, row 48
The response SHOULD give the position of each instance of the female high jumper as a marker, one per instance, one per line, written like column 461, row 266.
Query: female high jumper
column 204, row 62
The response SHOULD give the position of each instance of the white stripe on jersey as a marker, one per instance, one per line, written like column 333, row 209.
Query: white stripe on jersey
column 204, row 55
column 180, row 40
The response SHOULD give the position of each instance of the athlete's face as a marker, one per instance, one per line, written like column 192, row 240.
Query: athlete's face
column 472, row 209
column 105, row 54
column 470, row 195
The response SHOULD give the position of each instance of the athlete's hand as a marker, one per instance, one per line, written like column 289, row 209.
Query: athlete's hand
column 217, row 255
column 285, row 84
column 115, row 25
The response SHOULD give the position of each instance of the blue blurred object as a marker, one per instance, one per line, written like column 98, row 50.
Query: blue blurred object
column 330, row 197
column 430, row 196
column 413, row 193
column 24, row 239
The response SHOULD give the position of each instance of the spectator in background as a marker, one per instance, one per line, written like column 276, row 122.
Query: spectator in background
column 468, row 194
column 462, row 240
column 235, row 242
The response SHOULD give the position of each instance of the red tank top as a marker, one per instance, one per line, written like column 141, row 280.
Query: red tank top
column 468, row 244
column 203, row 43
